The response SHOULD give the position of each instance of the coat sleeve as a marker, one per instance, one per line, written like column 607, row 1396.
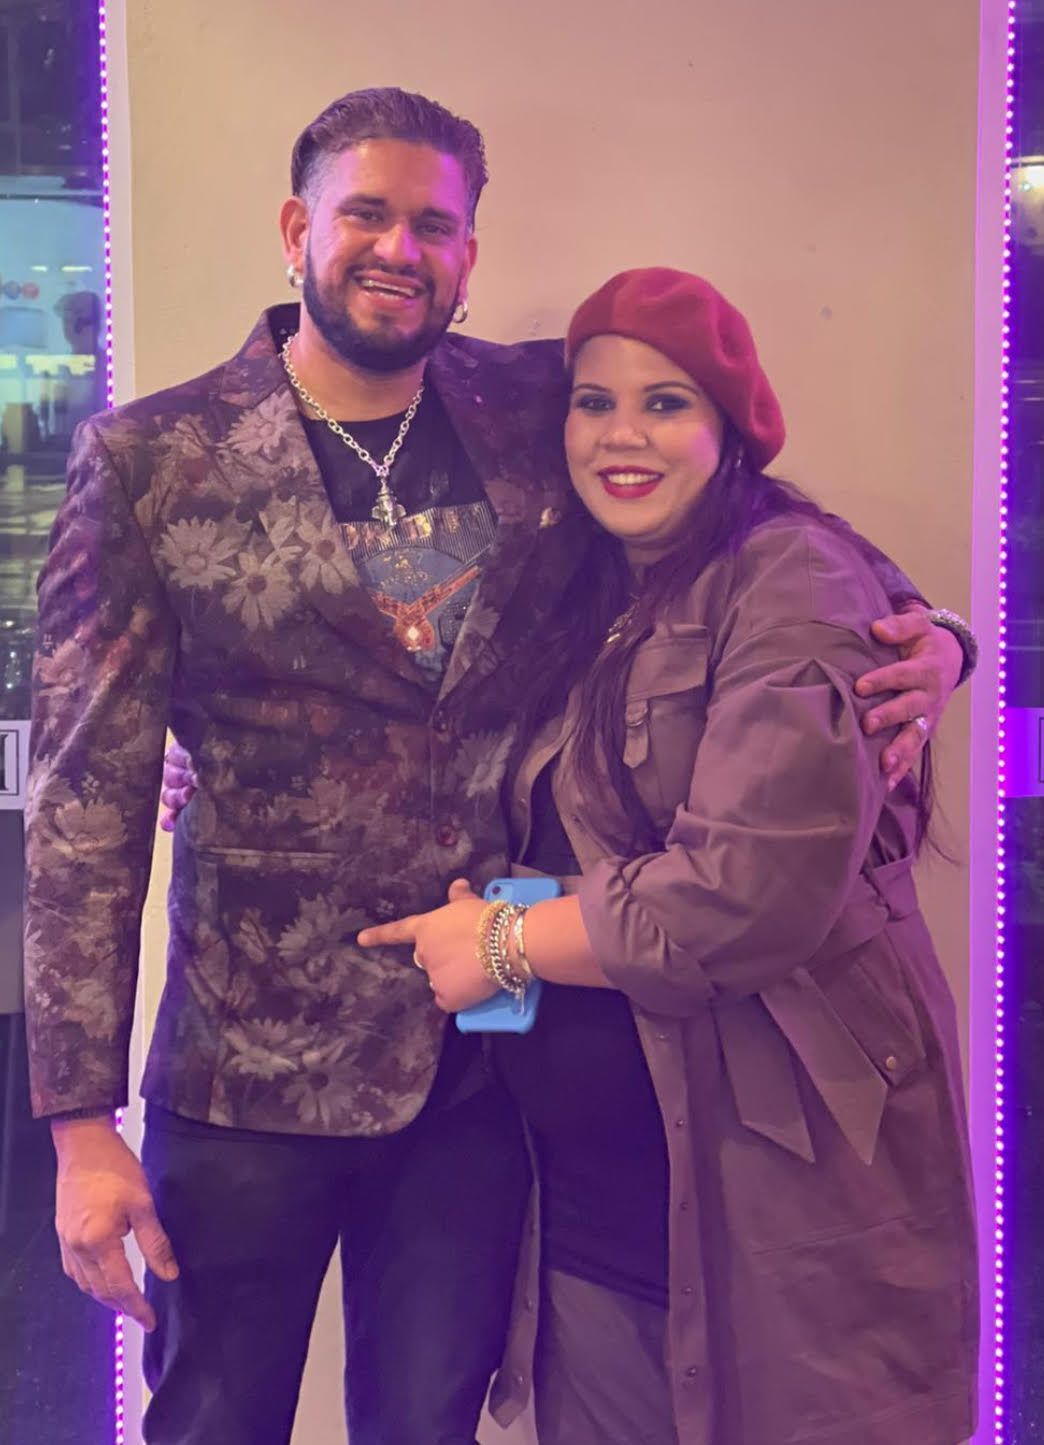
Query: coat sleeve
column 105, row 646
column 785, row 796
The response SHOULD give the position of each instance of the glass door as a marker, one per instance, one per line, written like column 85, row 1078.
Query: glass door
column 56, row 1347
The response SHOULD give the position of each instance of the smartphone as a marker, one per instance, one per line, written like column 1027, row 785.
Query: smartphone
column 504, row 1013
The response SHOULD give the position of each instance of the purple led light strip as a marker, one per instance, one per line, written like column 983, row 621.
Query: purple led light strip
column 1000, row 1001
column 103, row 77
column 999, row 1039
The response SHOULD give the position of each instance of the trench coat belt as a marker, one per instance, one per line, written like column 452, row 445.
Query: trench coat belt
column 852, row 1075
column 760, row 1036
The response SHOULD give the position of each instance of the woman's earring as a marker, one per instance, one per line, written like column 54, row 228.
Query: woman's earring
column 461, row 313
column 294, row 276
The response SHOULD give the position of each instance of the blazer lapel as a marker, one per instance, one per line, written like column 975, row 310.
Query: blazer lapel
column 266, row 458
column 514, row 443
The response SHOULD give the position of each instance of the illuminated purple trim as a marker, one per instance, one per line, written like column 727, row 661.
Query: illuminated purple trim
column 103, row 76
column 1000, row 999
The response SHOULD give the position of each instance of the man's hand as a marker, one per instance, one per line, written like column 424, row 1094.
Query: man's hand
column 924, row 678
column 102, row 1196
column 179, row 783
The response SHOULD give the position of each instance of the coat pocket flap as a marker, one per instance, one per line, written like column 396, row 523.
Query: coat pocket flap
column 845, row 1077
column 882, row 1035
column 636, row 739
column 668, row 662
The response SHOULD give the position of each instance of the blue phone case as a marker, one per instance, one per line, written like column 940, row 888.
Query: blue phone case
column 503, row 1014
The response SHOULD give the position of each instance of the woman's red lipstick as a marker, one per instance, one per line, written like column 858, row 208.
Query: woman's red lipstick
column 629, row 483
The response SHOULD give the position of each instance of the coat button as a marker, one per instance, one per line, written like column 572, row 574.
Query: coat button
column 692, row 1372
column 439, row 722
column 446, row 836
column 891, row 1063
column 679, row 1123
column 686, row 1289
column 683, row 1204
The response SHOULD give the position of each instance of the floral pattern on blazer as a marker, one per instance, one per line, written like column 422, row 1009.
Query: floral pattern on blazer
column 197, row 579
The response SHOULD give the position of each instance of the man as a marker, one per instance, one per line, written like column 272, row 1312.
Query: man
column 319, row 565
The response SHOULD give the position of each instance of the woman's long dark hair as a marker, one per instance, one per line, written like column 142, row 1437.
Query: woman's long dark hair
column 603, row 600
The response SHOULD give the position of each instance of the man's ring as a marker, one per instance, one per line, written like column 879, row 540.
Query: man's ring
column 921, row 723
column 417, row 961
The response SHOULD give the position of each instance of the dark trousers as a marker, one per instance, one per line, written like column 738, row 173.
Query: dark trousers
column 600, row 1372
column 428, row 1221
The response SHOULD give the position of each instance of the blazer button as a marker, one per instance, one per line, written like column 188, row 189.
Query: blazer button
column 440, row 722
column 446, row 836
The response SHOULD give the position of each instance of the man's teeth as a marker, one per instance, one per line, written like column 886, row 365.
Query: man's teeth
column 389, row 290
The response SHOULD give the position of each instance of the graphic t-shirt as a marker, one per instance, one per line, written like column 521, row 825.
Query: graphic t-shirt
column 422, row 572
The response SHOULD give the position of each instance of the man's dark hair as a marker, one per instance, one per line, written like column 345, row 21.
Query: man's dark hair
column 387, row 113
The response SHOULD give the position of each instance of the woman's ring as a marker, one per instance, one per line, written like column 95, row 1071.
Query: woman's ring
column 417, row 962
column 921, row 723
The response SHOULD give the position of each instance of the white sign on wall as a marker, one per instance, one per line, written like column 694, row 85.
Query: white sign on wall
column 14, row 763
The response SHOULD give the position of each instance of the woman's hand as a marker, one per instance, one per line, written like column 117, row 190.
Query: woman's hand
column 445, row 946
column 930, row 664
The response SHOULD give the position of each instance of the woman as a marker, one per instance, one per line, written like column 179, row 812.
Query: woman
column 743, row 1087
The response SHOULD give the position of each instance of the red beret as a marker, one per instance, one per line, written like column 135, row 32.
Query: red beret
column 691, row 323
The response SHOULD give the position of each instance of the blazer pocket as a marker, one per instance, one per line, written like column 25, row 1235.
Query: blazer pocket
column 271, row 882
column 268, row 859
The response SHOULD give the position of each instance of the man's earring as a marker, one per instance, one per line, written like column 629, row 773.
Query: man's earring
column 461, row 313
column 294, row 276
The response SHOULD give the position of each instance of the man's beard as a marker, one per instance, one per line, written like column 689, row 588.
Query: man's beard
column 368, row 350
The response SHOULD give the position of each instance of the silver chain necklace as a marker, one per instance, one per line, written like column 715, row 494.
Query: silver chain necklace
column 387, row 509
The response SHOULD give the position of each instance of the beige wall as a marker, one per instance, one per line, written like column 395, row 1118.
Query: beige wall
column 816, row 158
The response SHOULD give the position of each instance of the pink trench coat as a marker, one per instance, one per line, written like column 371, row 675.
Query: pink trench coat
column 798, row 1029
